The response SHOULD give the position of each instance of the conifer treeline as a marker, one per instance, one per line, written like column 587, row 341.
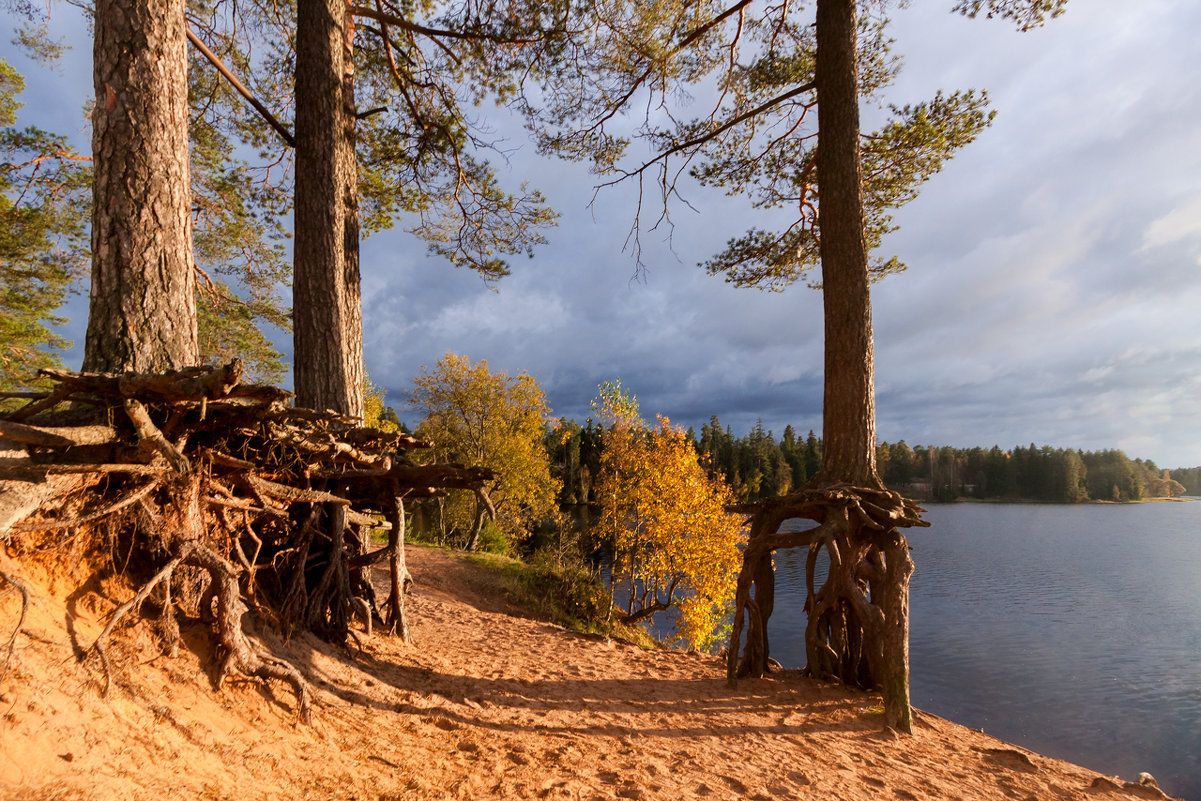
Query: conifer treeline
column 759, row 465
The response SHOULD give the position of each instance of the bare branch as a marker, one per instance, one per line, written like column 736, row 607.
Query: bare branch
column 284, row 133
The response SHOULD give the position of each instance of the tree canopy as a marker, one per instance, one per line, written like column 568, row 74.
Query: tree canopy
column 751, row 69
column 479, row 417
column 43, row 230
column 663, row 519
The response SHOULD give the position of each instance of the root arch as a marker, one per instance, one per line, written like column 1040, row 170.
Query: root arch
column 857, row 628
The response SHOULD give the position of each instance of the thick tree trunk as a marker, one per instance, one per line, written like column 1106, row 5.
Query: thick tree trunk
column 849, row 408
column 352, row 282
column 327, row 312
column 142, row 315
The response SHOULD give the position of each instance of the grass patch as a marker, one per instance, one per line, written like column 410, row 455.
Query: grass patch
column 562, row 593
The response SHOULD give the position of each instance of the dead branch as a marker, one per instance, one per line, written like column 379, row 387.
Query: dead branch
column 57, row 437
column 282, row 492
column 213, row 59
column 152, row 438
column 23, row 470
column 193, row 384
column 46, row 401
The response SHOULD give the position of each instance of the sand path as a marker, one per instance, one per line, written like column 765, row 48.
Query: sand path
column 485, row 705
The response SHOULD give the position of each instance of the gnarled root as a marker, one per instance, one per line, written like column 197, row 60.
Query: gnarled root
column 10, row 579
column 239, row 657
column 329, row 602
column 133, row 603
column 858, row 620
column 397, row 622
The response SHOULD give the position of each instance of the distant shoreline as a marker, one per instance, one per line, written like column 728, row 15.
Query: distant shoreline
column 1033, row 502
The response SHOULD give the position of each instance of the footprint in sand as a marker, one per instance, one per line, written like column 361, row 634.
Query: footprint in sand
column 800, row 779
column 735, row 785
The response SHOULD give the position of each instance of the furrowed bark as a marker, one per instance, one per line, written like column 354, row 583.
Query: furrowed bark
column 142, row 312
column 849, row 406
column 327, row 326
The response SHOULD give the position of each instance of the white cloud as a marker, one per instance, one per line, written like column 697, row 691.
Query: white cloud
column 1095, row 374
column 1182, row 223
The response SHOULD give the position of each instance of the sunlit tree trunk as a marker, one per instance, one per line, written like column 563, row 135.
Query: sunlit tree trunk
column 142, row 315
column 849, row 422
column 849, row 408
column 327, row 310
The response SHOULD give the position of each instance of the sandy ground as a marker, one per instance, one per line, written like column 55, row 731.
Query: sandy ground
column 484, row 705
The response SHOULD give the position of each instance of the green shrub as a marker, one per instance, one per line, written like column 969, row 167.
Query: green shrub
column 566, row 593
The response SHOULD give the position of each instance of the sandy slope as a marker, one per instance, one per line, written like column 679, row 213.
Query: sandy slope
column 485, row 705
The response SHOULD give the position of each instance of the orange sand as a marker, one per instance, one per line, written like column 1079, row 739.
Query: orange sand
column 483, row 705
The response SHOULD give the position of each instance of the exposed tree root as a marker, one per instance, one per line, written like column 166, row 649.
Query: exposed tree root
column 239, row 658
column 398, row 573
column 133, row 603
column 858, row 619
column 130, row 499
column 9, row 578
column 271, row 505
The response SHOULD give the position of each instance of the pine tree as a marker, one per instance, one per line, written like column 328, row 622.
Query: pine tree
column 142, row 315
column 776, row 68
column 43, row 190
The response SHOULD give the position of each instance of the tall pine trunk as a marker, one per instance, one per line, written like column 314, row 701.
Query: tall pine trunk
column 327, row 319
column 142, row 315
column 849, row 407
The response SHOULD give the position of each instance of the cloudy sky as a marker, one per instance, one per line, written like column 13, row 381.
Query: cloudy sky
column 1052, row 294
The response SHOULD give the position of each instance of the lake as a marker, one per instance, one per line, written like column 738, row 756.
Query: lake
column 1074, row 631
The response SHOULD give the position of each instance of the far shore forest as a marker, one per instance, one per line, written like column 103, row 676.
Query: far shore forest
column 761, row 465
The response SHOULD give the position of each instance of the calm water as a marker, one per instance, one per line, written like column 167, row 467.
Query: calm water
column 1074, row 631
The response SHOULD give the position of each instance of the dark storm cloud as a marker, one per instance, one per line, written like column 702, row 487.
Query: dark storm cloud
column 1053, row 267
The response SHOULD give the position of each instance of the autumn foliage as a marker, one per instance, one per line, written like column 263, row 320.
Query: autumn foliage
column 664, row 519
column 478, row 417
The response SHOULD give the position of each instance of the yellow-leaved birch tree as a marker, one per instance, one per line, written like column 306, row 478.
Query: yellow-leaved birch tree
column 673, row 542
